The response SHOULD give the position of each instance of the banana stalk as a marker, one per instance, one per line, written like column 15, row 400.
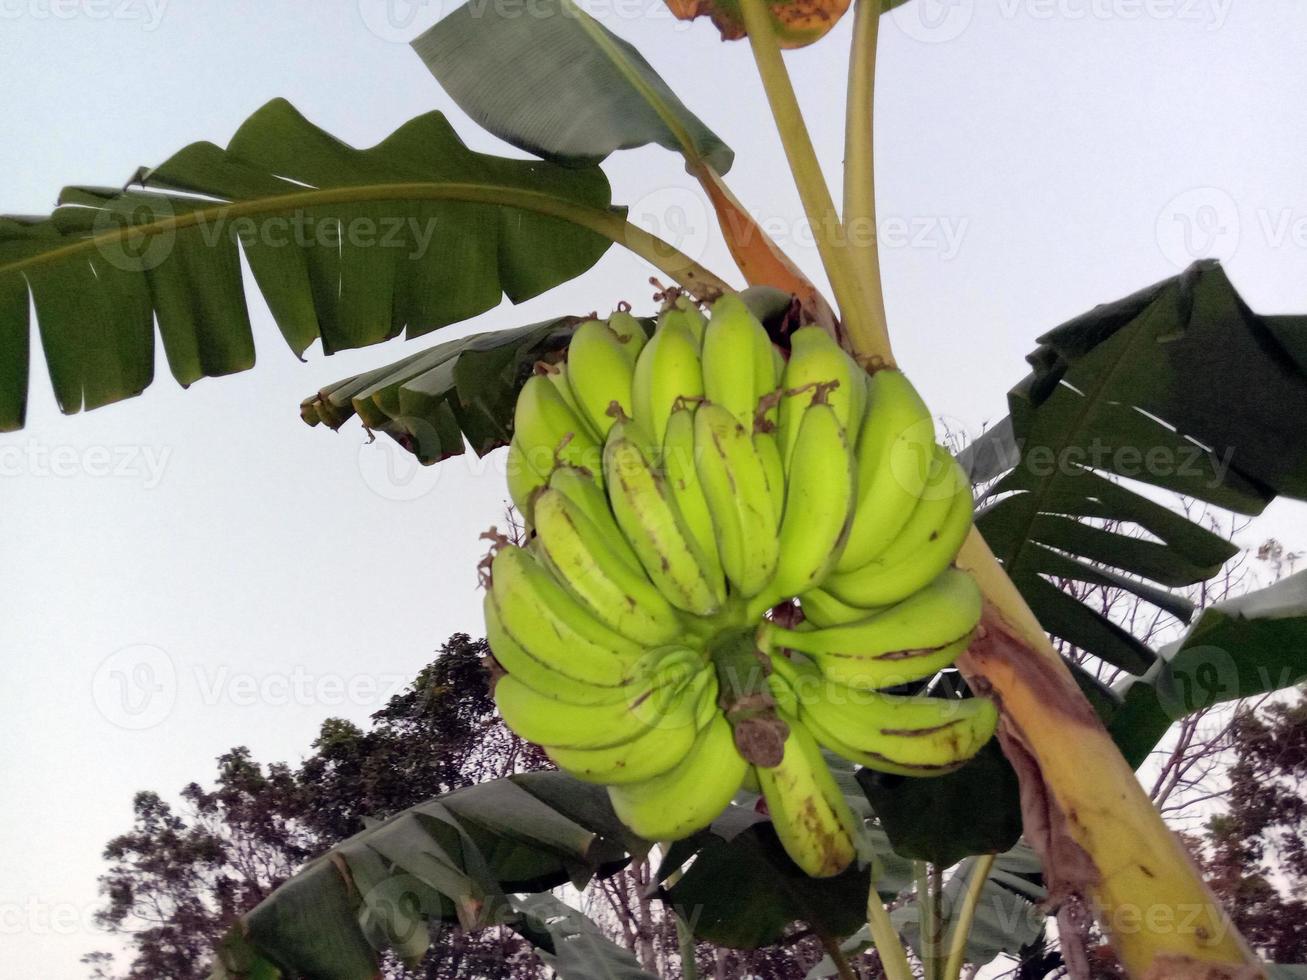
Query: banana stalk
column 1085, row 811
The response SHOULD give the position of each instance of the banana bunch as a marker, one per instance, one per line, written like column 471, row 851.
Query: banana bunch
column 733, row 555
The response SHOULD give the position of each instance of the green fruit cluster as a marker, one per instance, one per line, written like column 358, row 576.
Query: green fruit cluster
column 682, row 491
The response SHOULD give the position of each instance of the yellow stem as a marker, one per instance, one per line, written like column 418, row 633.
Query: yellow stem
column 817, row 203
column 893, row 957
column 961, row 927
column 859, row 164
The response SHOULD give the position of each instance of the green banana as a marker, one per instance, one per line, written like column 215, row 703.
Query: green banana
column 523, row 479
column 895, row 453
column 820, row 608
column 773, row 469
column 584, row 558
column 557, row 630
column 818, row 363
column 734, row 342
column 537, row 674
column 655, row 701
column 545, row 426
column 678, row 460
column 583, row 490
column 908, row 736
column 911, row 640
column 818, row 503
column 926, row 546
column 600, row 371
column 648, row 516
column 735, row 486
column 651, row 753
column 629, row 332
column 684, row 313
column 668, row 372
column 810, row 814
column 688, row 797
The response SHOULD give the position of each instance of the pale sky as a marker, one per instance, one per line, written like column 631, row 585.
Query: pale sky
column 194, row 570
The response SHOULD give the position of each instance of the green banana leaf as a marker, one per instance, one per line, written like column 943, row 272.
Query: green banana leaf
column 573, row 946
column 566, row 88
column 1179, row 387
column 456, row 858
column 430, row 401
column 350, row 247
column 1249, row 645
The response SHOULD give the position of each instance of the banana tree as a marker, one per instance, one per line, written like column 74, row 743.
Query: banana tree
column 109, row 263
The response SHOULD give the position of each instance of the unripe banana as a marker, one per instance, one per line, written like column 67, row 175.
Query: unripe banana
column 546, row 428
column 544, row 721
column 684, row 313
column 557, row 630
column 600, row 370
column 926, row 546
column 585, row 559
column 773, row 470
column 523, row 479
column 907, row 736
column 908, row 641
column 559, row 375
column 820, row 608
column 648, row 516
column 818, row 503
column 691, row 795
column 538, row 675
column 668, row 372
column 735, row 486
column 652, row 753
column 581, row 488
column 678, row 459
column 895, row 453
column 810, row 814
column 629, row 332
column 734, row 343
column 818, row 363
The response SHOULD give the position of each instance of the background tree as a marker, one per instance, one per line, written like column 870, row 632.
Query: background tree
column 1257, row 849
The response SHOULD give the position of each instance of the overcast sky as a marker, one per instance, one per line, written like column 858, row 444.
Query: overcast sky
column 194, row 570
